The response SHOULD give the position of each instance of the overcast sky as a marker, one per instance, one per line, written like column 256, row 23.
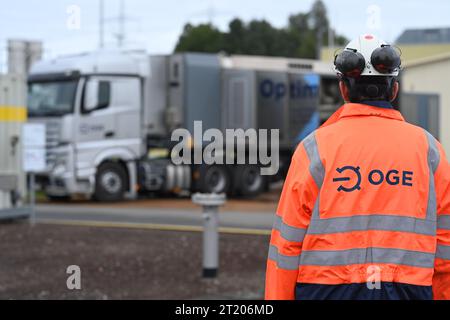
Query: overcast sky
column 156, row 24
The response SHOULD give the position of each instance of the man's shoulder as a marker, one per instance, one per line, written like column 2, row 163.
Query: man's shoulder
column 417, row 131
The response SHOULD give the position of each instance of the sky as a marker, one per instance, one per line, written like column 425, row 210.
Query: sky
column 72, row 26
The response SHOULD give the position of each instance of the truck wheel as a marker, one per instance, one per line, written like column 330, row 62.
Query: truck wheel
column 213, row 179
column 248, row 180
column 110, row 182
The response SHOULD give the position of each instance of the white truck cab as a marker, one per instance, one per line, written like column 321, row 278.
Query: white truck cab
column 92, row 107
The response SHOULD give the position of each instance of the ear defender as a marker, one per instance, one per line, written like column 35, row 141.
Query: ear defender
column 350, row 63
column 385, row 59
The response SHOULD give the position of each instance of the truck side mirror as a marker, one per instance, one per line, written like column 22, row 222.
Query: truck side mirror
column 97, row 95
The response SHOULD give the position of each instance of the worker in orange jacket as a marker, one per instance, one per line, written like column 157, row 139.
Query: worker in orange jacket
column 365, row 208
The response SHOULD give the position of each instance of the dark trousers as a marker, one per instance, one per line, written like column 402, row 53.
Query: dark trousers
column 360, row 291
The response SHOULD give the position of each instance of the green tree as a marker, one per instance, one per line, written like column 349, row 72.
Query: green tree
column 261, row 38
column 235, row 38
column 303, row 36
column 201, row 38
column 319, row 24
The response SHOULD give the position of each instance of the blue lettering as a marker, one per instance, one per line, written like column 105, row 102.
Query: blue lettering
column 280, row 90
column 407, row 178
column 396, row 178
column 292, row 90
column 296, row 89
column 375, row 177
column 266, row 88
column 380, row 174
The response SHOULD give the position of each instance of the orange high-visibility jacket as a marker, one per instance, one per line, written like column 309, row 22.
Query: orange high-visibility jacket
column 366, row 191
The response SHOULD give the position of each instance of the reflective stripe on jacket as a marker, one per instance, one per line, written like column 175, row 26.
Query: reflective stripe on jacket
column 366, row 199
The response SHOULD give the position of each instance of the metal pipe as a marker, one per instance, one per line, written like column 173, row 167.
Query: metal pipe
column 210, row 204
column 210, row 241
column 100, row 22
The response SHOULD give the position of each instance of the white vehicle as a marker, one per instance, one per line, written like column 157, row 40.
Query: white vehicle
column 109, row 118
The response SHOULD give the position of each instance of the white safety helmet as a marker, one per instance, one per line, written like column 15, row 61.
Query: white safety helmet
column 368, row 55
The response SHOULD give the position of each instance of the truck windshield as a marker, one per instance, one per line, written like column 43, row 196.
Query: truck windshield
column 54, row 98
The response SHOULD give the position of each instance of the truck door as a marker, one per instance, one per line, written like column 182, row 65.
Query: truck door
column 109, row 117
column 96, row 121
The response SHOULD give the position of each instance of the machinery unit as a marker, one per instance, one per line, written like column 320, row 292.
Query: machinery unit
column 422, row 110
column 12, row 116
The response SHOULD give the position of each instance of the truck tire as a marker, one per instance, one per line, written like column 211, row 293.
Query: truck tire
column 110, row 182
column 248, row 181
column 213, row 179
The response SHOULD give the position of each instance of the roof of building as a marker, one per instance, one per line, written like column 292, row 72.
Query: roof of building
column 424, row 36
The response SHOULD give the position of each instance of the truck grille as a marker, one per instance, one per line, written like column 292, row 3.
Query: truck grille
column 53, row 130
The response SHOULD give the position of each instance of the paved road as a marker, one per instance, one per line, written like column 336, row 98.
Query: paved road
column 259, row 221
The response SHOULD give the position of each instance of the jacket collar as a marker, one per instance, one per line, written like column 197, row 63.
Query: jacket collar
column 359, row 109
column 379, row 104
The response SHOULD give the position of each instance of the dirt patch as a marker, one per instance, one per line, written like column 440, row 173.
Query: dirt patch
column 125, row 264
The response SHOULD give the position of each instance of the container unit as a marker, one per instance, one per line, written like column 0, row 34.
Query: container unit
column 330, row 96
column 328, row 89
column 194, row 90
column 239, row 99
column 12, row 116
column 202, row 88
column 422, row 110
column 285, row 101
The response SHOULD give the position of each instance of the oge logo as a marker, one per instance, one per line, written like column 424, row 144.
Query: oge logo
column 375, row 177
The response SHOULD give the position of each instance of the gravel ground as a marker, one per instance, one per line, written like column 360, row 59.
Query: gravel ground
column 125, row 264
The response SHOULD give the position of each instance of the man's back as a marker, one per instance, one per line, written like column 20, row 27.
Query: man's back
column 358, row 213
column 389, row 154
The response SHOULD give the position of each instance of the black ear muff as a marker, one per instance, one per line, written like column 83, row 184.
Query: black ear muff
column 350, row 63
column 385, row 59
